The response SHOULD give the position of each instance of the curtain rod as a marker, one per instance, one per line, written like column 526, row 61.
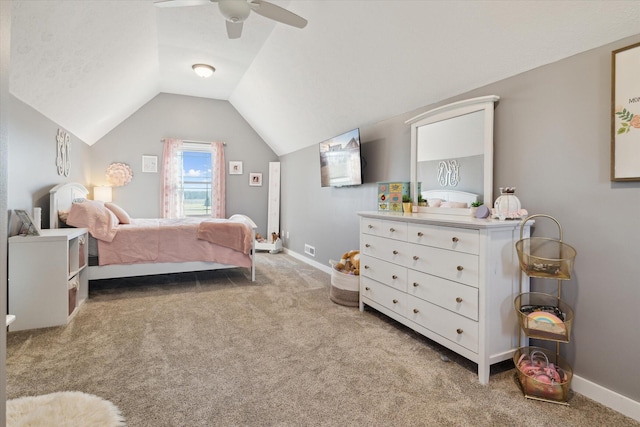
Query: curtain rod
column 193, row 141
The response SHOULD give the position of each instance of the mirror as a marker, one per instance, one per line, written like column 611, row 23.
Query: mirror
column 452, row 156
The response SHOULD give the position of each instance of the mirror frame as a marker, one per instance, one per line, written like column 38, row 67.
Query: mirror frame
column 446, row 112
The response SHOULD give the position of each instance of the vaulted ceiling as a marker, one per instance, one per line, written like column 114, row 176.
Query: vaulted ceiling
column 88, row 65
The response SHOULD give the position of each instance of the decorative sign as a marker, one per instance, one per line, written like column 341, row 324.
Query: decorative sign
column 448, row 173
column 63, row 152
column 625, row 117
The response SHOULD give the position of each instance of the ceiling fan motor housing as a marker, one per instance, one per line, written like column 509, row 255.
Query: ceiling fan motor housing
column 234, row 10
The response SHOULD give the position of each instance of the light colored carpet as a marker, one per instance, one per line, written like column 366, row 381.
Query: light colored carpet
column 63, row 409
column 215, row 349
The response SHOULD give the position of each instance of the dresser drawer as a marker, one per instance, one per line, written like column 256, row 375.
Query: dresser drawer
column 452, row 238
column 390, row 250
column 386, row 296
column 456, row 328
column 385, row 272
column 380, row 227
column 456, row 297
column 457, row 266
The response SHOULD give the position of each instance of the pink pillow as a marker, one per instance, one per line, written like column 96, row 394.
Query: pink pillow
column 122, row 215
column 453, row 205
column 93, row 215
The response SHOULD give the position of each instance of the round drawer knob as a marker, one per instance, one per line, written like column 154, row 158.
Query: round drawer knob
column 395, row 252
column 415, row 310
column 460, row 268
column 416, row 257
column 415, row 284
column 370, row 226
column 454, row 240
column 395, row 301
column 367, row 288
column 366, row 267
column 458, row 300
column 420, row 234
column 366, row 245
column 392, row 229
column 459, row 331
column 394, row 277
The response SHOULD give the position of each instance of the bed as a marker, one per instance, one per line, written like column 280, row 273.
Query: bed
column 156, row 246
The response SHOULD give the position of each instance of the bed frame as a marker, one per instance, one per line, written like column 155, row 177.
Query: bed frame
column 62, row 196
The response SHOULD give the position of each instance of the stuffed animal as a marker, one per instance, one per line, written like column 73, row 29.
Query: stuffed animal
column 349, row 263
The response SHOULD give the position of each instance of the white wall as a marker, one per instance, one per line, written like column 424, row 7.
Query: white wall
column 552, row 142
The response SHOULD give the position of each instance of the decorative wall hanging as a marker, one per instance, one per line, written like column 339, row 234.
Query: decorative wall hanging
column 255, row 179
column 119, row 174
column 150, row 164
column 235, row 168
column 625, row 114
column 448, row 173
column 63, row 152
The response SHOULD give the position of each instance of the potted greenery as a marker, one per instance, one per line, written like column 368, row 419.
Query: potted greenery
column 406, row 204
column 474, row 207
column 421, row 201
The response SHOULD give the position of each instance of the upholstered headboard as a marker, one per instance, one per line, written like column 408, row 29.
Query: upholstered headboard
column 61, row 197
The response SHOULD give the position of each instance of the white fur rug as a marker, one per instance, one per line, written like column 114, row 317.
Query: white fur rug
column 63, row 409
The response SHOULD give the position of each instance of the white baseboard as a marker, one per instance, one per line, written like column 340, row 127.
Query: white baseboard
column 593, row 391
column 325, row 268
column 606, row 397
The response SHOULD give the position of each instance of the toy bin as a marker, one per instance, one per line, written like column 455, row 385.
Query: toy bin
column 345, row 288
column 543, row 374
column 544, row 316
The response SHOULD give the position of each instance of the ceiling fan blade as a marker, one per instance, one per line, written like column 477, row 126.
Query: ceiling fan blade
column 234, row 29
column 271, row 11
column 180, row 3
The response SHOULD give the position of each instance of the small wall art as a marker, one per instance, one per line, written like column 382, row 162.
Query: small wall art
column 63, row 150
column 150, row 164
column 255, row 179
column 119, row 174
column 235, row 168
column 625, row 114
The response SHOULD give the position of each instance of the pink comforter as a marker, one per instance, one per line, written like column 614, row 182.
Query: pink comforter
column 166, row 240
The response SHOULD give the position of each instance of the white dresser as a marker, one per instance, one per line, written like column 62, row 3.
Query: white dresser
column 451, row 278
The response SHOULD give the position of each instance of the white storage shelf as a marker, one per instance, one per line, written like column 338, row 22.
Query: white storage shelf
column 47, row 277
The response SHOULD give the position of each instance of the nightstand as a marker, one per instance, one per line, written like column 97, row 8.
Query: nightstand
column 47, row 277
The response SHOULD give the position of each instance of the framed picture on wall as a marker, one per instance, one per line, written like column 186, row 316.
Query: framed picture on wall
column 255, row 179
column 235, row 168
column 625, row 114
column 150, row 164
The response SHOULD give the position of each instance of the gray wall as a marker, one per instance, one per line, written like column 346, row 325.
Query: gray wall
column 32, row 169
column 189, row 118
column 552, row 142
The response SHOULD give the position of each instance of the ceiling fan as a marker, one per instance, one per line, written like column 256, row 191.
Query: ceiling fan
column 236, row 11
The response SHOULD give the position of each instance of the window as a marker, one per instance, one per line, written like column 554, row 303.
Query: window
column 193, row 178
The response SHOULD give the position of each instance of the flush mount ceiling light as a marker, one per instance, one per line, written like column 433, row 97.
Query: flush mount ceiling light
column 203, row 70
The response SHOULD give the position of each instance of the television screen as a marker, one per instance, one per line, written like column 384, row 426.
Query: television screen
column 340, row 162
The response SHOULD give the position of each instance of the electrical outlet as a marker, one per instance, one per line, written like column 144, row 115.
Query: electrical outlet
column 287, row 235
column 309, row 250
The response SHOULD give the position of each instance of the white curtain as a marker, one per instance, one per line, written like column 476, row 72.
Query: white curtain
column 172, row 189
column 218, row 173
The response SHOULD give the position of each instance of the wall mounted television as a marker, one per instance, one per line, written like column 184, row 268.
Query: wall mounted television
column 340, row 160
